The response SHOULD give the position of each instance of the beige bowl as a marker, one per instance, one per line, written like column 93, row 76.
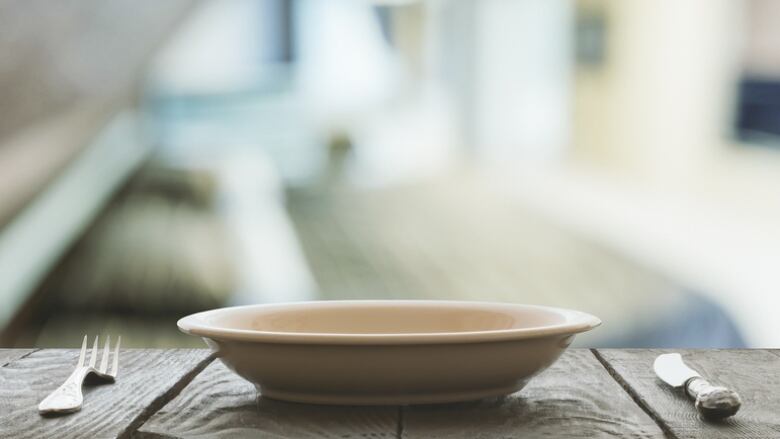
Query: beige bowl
column 387, row 352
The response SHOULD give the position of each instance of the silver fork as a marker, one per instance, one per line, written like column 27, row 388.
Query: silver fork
column 68, row 398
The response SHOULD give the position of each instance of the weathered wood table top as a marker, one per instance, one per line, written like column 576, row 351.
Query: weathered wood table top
column 587, row 393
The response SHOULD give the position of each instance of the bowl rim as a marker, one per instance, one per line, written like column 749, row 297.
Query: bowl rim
column 575, row 322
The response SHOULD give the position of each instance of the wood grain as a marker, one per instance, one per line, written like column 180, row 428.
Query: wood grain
column 9, row 355
column 754, row 374
column 575, row 398
column 147, row 379
column 218, row 403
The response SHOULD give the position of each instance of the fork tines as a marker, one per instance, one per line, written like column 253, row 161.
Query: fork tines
column 104, row 359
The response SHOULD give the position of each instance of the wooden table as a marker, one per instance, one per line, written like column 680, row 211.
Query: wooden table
column 587, row 393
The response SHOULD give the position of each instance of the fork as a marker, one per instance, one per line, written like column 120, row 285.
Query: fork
column 68, row 397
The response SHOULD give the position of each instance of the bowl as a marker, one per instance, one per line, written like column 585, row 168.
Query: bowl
column 387, row 351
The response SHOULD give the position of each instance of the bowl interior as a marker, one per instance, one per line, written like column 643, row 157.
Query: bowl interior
column 384, row 318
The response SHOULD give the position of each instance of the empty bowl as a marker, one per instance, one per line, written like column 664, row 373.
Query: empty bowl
column 387, row 351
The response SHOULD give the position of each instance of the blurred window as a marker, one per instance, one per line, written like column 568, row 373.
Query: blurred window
column 758, row 99
column 590, row 43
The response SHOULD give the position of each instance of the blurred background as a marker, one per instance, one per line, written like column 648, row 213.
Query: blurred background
column 162, row 158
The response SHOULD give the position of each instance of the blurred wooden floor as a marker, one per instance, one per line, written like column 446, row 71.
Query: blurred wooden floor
column 458, row 237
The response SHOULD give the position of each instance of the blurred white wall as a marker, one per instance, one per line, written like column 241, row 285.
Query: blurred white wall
column 216, row 50
column 660, row 110
column 523, row 68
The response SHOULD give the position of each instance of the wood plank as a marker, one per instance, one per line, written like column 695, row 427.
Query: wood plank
column 7, row 356
column 574, row 398
column 147, row 380
column 754, row 374
column 218, row 403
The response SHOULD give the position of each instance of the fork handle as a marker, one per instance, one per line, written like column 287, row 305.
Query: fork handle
column 68, row 397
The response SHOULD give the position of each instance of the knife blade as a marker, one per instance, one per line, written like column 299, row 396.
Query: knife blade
column 712, row 402
column 672, row 370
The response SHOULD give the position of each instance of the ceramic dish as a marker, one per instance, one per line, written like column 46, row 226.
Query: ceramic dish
column 387, row 352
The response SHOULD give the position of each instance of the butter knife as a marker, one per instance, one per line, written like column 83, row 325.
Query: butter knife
column 712, row 402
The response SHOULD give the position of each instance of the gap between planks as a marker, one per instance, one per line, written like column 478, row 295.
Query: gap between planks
column 399, row 432
column 25, row 355
column 162, row 400
column 635, row 396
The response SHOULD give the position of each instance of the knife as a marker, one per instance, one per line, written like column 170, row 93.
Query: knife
column 712, row 402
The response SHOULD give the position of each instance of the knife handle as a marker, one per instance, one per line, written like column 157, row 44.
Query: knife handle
column 712, row 402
